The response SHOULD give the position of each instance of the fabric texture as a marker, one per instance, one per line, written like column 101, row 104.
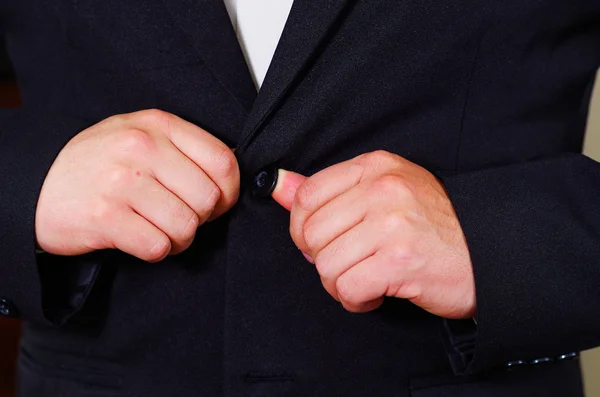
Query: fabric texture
column 27, row 156
column 489, row 96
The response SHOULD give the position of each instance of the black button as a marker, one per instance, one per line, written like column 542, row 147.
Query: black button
column 264, row 182
column 7, row 309
column 568, row 356
column 543, row 360
column 516, row 364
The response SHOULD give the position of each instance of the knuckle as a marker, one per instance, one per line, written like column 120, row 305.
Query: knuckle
column 310, row 234
column 135, row 142
column 158, row 249
column 384, row 155
column 118, row 119
column 163, row 120
column 385, row 158
column 233, row 198
column 405, row 290
column 393, row 222
column 189, row 228
column 328, row 259
column 212, row 197
column 321, row 266
column 118, row 178
column 101, row 212
column 324, row 267
column 346, row 289
column 400, row 254
column 306, row 195
column 296, row 233
column 209, row 202
column 153, row 115
column 377, row 158
column 356, row 170
column 184, row 229
column 226, row 165
column 391, row 186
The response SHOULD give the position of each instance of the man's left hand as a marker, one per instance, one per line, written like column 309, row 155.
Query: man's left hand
column 379, row 225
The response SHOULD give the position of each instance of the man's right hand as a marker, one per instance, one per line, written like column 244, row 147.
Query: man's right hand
column 141, row 183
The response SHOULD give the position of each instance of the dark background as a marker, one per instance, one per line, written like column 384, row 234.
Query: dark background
column 9, row 329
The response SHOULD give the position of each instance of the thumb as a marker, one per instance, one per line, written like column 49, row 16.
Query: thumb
column 285, row 190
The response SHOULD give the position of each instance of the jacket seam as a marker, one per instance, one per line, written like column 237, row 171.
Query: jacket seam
column 463, row 117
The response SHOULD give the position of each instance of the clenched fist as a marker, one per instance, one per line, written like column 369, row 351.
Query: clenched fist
column 141, row 183
column 379, row 225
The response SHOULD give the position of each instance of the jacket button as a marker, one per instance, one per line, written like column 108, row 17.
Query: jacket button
column 264, row 182
column 517, row 364
column 543, row 360
column 568, row 356
column 7, row 309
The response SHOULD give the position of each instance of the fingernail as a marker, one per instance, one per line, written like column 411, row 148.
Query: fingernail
column 308, row 257
column 285, row 190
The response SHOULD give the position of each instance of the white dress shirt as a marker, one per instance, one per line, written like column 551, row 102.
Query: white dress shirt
column 259, row 24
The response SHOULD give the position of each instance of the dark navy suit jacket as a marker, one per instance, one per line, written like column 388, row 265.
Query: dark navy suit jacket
column 491, row 96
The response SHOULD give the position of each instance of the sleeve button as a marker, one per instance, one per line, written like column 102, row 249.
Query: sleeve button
column 511, row 365
column 7, row 309
column 568, row 356
column 540, row 361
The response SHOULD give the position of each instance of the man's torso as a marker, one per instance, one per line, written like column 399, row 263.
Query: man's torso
column 457, row 86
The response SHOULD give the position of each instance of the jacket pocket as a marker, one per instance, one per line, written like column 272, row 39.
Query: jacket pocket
column 556, row 380
column 48, row 375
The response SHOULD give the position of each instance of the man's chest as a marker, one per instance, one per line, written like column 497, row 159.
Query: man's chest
column 348, row 76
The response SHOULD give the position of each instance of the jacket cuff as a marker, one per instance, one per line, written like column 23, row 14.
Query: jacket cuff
column 29, row 143
column 460, row 337
column 530, row 258
column 66, row 283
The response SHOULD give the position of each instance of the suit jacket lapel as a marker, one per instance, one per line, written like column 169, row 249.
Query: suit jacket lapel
column 308, row 24
column 209, row 28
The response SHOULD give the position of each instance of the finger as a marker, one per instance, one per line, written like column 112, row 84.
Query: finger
column 351, row 248
column 134, row 235
column 187, row 181
column 317, row 191
column 213, row 156
column 287, row 185
column 164, row 210
column 363, row 286
column 336, row 217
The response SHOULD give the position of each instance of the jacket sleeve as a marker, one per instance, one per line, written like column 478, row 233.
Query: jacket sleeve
column 29, row 143
column 527, row 199
column 533, row 232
